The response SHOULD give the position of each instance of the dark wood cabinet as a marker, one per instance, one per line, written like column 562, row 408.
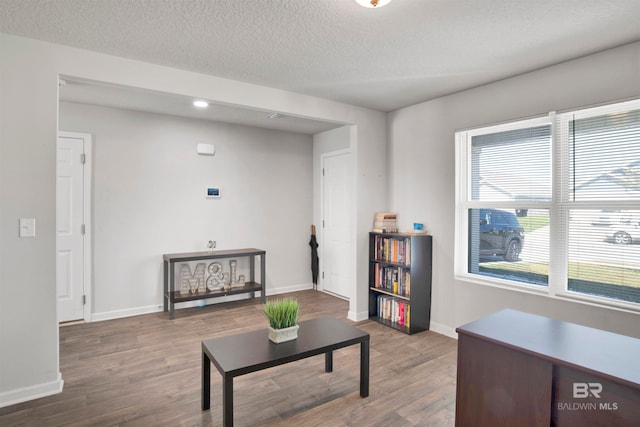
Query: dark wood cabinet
column 400, row 280
column 519, row 369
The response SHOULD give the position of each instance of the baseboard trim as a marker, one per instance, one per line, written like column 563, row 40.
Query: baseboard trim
column 136, row 311
column 443, row 330
column 37, row 391
column 294, row 288
column 358, row 316
column 127, row 312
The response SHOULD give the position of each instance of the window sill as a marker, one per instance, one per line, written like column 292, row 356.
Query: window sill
column 504, row 284
column 545, row 291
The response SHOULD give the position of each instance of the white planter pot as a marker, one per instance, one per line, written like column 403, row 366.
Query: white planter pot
column 283, row 335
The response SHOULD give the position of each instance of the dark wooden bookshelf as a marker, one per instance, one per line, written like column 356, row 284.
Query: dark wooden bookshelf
column 389, row 302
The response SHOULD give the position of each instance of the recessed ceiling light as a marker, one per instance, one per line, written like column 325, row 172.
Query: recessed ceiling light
column 200, row 104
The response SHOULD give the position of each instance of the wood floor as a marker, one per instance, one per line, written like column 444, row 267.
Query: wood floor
column 145, row 371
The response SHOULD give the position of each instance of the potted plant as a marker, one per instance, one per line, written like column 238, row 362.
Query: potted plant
column 283, row 319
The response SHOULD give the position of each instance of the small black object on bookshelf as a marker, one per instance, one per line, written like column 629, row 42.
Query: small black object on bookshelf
column 400, row 280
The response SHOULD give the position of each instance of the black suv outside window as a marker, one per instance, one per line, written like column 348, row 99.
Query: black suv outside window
column 500, row 234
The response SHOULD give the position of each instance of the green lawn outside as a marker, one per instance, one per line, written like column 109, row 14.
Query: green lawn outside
column 579, row 271
column 531, row 223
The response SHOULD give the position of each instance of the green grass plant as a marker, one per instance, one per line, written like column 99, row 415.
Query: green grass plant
column 282, row 313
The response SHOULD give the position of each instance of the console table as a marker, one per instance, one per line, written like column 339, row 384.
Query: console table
column 171, row 296
column 242, row 354
column 519, row 369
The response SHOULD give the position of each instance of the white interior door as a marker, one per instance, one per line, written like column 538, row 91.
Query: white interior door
column 336, row 230
column 70, row 227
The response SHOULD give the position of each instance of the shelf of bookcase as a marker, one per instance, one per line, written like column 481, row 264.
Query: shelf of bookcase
column 417, row 248
column 389, row 263
column 391, row 324
column 391, row 294
column 177, row 296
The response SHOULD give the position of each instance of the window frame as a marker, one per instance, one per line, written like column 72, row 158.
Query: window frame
column 559, row 206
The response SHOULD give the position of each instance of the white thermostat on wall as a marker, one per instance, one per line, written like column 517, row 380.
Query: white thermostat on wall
column 206, row 149
column 212, row 192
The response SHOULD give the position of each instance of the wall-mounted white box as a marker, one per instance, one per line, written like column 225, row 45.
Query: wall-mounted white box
column 206, row 149
column 27, row 227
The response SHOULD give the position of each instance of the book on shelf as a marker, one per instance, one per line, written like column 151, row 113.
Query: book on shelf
column 396, row 311
column 395, row 250
column 385, row 222
column 392, row 279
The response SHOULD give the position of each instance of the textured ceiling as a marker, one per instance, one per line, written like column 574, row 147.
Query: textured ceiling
column 404, row 53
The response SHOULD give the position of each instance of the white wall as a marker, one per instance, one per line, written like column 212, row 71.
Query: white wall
column 370, row 156
column 28, row 322
column 148, row 199
column 29, row 73
column 421, row 145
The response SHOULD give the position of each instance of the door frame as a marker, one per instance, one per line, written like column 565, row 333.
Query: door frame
column 323, row 156
column 87, row 241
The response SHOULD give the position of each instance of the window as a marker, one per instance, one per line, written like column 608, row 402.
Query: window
column 552, row 205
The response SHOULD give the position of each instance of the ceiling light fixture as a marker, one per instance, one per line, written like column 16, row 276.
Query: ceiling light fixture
column 200, row 104
column 373, row 3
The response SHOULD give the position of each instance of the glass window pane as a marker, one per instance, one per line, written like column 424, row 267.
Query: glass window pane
column 512, row 165
column 604, row 157
column 604, row 253
column 510, row 245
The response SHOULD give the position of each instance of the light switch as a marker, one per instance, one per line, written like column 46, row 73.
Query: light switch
column 27, row 227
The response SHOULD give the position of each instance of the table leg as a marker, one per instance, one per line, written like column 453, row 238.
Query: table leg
column 227, row 400
column 206, row 382
column 172, row 287
column 252, row 268
column 165, row 296
column 263, row 278
column 328, row 361
column 364, row 368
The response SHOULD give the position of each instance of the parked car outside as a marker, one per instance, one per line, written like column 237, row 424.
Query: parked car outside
column 500, row 234
column 625, row 233
column 609, row 217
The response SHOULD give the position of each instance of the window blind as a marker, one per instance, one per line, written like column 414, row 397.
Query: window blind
column 604, row 177
column 604, row 157
column 512, row 165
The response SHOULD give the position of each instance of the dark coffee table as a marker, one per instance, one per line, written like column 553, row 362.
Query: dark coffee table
column 252, row 351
